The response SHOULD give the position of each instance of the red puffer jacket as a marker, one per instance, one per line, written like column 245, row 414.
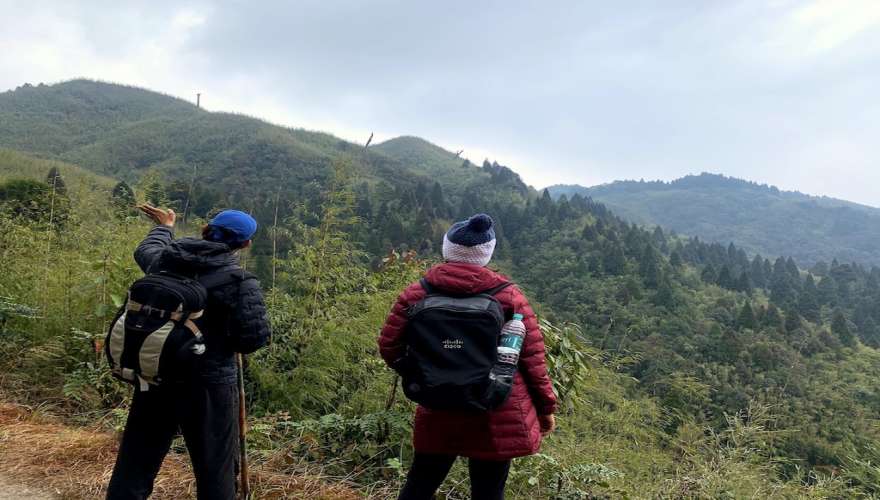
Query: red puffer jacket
column 506, row 432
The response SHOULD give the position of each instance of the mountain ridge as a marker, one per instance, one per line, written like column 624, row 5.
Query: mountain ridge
column 758, row 217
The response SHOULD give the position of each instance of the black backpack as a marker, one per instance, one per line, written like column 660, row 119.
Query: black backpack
column 154, row 338
column 452, row 351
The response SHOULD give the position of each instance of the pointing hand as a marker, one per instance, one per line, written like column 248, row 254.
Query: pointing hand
column 163, row 217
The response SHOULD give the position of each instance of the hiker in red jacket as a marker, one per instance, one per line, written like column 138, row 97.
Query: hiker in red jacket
column 488, row 439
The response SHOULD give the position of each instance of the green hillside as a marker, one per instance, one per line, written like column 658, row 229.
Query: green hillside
column 685, row 369
column 759, row 218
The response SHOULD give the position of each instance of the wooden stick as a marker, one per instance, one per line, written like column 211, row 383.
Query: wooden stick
column 242, row 432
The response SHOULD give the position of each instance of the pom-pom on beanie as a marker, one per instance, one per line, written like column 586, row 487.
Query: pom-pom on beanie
column 471, row 241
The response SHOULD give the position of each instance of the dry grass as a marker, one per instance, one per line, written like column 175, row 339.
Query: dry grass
column 38, row 450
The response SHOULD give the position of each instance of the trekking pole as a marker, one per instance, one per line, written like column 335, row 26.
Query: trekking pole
column 242, row 432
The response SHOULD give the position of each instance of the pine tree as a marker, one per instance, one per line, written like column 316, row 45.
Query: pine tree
column 781, row 290
column 54, row 180
column 154, row 193
column 793, row 322
column 840, row 328
column 675, row 259
column 708, row 275
column 466, row 209
column 665, row 296
column 743, row 283
column 827, row 291
column 870, row 333
column 589, row 233
column 746, row 318
column 772, row 318
column 649, row 267
column 544, row 206
column 756, row 272
column 808, row 302
column 614, row 262
column 725, row 280
column 437, row 200
column 122, row 198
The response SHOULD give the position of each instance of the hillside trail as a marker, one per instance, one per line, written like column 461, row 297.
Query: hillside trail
column 41, row 458
column 12, row 491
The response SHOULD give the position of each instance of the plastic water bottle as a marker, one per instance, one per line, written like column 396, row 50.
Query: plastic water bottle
column 512, row 335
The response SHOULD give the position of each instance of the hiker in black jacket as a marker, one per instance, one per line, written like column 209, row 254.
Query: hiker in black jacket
column 205, row 406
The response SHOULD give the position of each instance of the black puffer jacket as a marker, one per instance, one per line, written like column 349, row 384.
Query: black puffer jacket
column 235, row 318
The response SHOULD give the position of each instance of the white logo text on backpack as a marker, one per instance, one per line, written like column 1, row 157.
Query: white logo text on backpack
column 453, row 344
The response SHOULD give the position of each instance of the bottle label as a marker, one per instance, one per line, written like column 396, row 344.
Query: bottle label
column 512, row 342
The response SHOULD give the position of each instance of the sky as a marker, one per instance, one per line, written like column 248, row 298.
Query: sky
column 777, row 91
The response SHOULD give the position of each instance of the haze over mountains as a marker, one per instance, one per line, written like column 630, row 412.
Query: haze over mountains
column 759, row 218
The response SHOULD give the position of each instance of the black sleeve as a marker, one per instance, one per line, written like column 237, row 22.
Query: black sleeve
column 148, row 252
column 249, row 326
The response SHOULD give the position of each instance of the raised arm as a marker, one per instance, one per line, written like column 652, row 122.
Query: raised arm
column 148, row 252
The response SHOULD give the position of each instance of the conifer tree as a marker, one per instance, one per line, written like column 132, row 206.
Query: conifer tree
column 841, row 329
column 708, row 275
column 54, row 180
column 649, row 267
column 437, row 200
column 746, row 318
column 808, row 301
column 743, row 283
column 827, row 291
column 122, row 198
column 793, row 322
column 773, row 318
column 665, row 296
column 756, row 272
column 675, row 259
column 870, row 333
column 154, row 193
column 725, row 280
column 614, row 262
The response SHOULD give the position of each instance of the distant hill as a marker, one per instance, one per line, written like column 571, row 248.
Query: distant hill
column 759, row 218
column 126, row 132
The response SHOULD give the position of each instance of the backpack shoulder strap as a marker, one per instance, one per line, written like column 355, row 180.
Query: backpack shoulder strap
column 497, row 289
column 427, row 287
column 431, row 289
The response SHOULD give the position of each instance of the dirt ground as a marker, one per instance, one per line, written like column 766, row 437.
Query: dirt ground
column 42, row 459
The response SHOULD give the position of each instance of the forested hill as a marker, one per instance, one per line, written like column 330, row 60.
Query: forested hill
column 685, row 369
column 759, row 218
column 128, row 132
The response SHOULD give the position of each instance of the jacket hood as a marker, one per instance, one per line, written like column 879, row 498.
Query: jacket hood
column 197, row 255
column 464, row 278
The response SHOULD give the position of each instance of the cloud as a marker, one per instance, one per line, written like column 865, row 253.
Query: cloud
column 781, row 92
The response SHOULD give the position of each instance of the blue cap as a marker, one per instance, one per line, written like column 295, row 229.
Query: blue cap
column 235, row 221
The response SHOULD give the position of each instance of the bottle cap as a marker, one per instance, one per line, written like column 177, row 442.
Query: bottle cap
column 518, row 316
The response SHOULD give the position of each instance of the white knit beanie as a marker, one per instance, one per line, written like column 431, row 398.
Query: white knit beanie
column 471, row 241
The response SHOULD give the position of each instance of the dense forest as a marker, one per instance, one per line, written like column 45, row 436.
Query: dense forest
column 757, row 217
column 686, row 369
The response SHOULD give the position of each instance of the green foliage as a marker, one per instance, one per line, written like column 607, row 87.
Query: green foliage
column 684, row 369
column 759, row 218
column 123, row 200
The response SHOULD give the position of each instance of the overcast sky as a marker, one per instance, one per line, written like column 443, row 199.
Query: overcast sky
column 783, row 92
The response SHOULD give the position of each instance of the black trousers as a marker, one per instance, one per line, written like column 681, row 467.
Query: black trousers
column 207, row 415
column 428, row 472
